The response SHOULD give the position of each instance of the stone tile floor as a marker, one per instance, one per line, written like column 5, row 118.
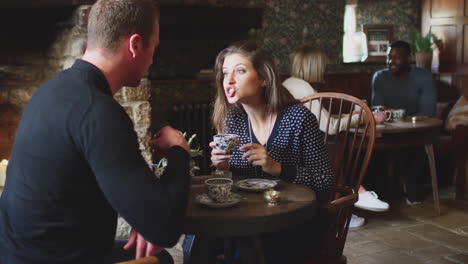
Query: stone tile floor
column 412, row 234
column 407, row 234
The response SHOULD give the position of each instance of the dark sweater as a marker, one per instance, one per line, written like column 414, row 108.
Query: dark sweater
column 75, row 164
column 416, row 94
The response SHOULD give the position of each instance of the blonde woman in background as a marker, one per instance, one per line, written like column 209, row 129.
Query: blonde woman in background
column 308, row 65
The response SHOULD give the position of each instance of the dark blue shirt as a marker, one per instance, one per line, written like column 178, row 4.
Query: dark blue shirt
column 416, row 94
column 75, row 164
column 295, row 141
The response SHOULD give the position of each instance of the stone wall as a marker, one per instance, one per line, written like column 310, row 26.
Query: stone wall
column 135, row 100
column 62, row 41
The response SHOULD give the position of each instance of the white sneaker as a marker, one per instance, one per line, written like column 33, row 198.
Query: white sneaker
column 356, row 221
column 370, row 201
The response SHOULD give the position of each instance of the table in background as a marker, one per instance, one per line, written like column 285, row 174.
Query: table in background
column 400, row 134
column 252, row 216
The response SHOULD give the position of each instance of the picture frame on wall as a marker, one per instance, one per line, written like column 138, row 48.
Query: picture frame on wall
column 379, row 38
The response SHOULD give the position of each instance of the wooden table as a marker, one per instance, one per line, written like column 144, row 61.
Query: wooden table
column 420, row 133
column 423, row 124
column 251, row 217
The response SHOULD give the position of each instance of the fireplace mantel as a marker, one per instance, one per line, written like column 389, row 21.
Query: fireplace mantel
column 43, row 3
column 179, row 18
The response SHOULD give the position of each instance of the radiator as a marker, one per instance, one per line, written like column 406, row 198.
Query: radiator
column 195, row 119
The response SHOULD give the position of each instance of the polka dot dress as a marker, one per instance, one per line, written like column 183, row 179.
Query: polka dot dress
column 295, row 141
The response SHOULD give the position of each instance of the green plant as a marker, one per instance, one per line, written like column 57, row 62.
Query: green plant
column 424, row 43
column 194, row 152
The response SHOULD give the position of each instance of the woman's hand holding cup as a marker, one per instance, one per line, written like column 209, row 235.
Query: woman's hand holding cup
column 219, row 158
column 222, row 146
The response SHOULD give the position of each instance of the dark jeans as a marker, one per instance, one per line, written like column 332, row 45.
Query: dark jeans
column 119, row 254
column 412, row 164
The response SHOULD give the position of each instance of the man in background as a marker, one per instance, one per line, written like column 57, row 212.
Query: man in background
column 405, row 86
column 76, row 162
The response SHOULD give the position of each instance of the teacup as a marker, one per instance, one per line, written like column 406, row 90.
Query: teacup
column 227, row 142
column 378, row 108
column 398, row 114
column 379, row 111
column 219, row 189
column 222, row 174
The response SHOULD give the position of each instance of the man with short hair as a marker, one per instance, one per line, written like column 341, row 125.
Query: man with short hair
column 76, row 162
column 404, row 86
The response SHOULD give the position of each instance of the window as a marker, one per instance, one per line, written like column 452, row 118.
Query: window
column 354, row 43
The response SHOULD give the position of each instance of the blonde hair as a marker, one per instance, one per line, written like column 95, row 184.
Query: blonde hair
column 111, row 21
column 308, row 63
column 276, row 96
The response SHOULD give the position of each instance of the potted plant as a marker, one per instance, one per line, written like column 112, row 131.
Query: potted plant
column 423, row 45
column 194, row 152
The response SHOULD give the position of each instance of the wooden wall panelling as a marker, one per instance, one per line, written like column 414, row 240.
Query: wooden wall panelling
column 447, row 19
column 446, row 86
column 355, row 84
column 466, row 9
column 465, row 44
column 462, row 85
column 447, row 56
column 444, row 8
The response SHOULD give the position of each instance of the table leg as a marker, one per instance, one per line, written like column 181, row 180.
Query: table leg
column 228, row 251
column 461, row 183
column 432, row 167
column 391, row 175
column 259, row 249
column 251, row 250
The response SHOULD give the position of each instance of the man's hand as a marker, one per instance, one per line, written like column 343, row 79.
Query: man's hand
column 380, row 117
column 166, row 138
column 363, row 117
column 143, row 247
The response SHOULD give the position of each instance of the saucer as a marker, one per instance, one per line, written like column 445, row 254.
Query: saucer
column 256, row 185
column 204, row 199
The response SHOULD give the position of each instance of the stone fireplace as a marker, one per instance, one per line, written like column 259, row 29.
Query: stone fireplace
column 42, row 42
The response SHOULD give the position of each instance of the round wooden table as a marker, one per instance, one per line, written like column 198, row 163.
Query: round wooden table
column 250, row 218
column 252, row 215
column 409, row 126
column 421, row 132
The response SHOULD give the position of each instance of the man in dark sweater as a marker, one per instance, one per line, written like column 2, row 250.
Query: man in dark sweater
column 76, row 162
column 403, row 86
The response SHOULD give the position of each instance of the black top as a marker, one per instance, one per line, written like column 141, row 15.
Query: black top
column 295, row 141
column 75, row 164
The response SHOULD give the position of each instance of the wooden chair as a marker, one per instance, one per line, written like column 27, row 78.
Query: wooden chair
column 350, row 149
column 146, row 260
